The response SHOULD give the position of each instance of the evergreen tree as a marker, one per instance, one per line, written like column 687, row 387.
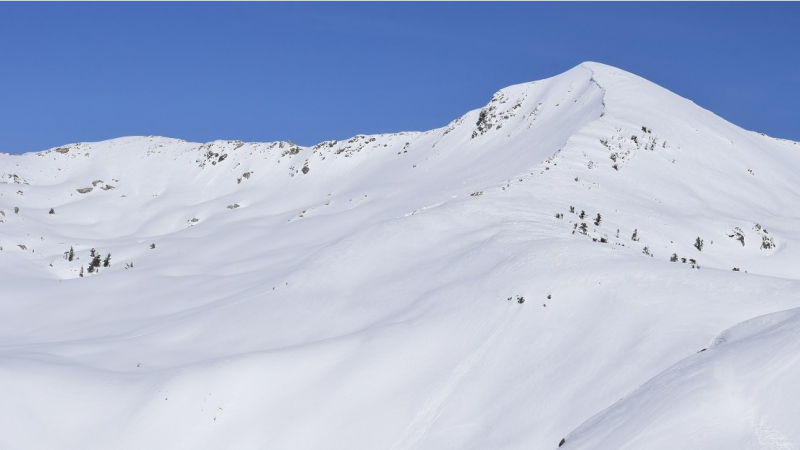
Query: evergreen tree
column 92, row 253
column 635, row 236
column 52, row 211
column 597, row 220
column 698, row 244
column 80, row 274
column 71, row 254
column 96, row 261
column 674, row 257
column 107, row 261
column 583, row 228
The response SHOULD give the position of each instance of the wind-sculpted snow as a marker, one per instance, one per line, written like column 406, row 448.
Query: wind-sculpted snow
column 738, row 393
column 494, row 283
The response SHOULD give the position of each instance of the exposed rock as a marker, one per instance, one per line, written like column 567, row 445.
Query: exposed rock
column 85, row 190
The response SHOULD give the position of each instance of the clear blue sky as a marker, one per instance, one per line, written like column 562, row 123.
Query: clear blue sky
column 309, row 72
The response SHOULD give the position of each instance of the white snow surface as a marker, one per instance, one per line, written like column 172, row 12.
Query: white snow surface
column 354, row 294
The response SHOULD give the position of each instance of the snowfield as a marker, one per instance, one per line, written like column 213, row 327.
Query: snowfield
column 589, row 258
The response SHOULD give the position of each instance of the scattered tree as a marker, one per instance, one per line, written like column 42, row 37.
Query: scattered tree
column 646, row 250
column 582, row 215
column 52, row 211
column 80, row 274
column 572, row 209
column 635, row 236
column 584, row 229
column 95, row 264
column 597, row 220
column 698, row 244
column 674, row 257
column 152, row 246
column 16, row 210
column 107, row 261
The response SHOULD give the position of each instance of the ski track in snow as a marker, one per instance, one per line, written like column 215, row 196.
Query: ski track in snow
column 435, row 404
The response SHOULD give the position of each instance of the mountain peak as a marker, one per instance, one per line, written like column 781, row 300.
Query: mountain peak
column 532, row 262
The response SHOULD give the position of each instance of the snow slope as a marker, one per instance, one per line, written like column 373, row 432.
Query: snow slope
column 737, row 394
column 354, row 294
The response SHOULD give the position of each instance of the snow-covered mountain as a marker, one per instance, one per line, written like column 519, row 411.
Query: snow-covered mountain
column 561, row 264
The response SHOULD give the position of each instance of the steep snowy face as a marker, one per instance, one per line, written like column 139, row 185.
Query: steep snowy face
column 737, row 393
column 493, row 283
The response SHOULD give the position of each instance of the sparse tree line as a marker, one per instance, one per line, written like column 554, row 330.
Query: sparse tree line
column 583, row 228
column 97, row 261
column 767, row 242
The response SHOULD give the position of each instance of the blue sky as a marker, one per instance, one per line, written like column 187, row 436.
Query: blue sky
column 309, row 72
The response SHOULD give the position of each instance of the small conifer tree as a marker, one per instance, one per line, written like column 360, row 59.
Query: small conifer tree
column 698, row 244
